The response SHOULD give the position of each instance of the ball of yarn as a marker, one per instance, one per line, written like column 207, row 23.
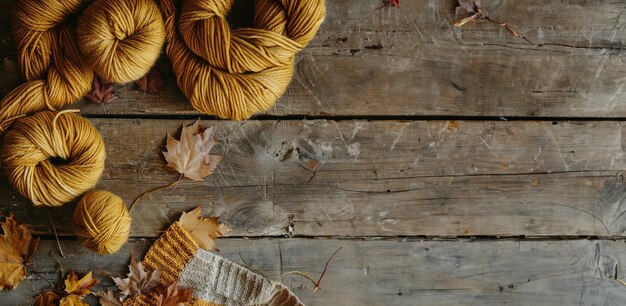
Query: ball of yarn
column 101, row 221
column 236, row 73
column 52, row 158
column 121, row 39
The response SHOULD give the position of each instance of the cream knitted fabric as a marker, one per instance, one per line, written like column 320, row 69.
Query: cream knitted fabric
column 217, row 281
column 221, row 281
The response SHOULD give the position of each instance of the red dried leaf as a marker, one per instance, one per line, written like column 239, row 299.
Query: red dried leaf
column 386, row 3
column 151, row 82
column 101, row 91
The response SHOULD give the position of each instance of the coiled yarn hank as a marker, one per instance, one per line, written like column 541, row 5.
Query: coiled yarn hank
column 120, row 40
column 58, row 70
column 236, row 73
column 101, row 221
column 34, row 144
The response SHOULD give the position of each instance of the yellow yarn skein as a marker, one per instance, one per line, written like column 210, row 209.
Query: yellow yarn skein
column 52, row 158
column 236, row 73
column 121, row 39
column 101, row 221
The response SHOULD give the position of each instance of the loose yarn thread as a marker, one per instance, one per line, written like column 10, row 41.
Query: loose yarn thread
column 101, row 221
column 120, row 40
column 236, row 73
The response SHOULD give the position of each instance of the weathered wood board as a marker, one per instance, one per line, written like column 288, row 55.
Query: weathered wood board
column 411, row 61
column 396, row 272
column 374, row 178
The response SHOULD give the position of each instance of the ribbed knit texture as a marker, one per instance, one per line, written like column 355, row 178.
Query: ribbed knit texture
column 221, row 281
column 217, row 281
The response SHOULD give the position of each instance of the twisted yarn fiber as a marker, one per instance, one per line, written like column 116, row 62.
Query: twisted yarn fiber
column 119, row 39
column 52, row 158
column 34, row 142
column 58, row 74
column 101, row 221
column 236, row 73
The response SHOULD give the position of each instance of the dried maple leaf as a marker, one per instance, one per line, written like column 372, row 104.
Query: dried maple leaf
column 139, row 281
column 72, row 300
column 80, row 288
column 174, row 296
column 101, row 91
column 47, row 298
column 386, row 3
column 108, row 298
column 190, row 156
column 16, row 247
column 151, row 82
column 203, row 230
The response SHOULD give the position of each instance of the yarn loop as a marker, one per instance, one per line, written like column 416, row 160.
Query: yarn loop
column 101, row 221
column 236, row 73
column 33, row 145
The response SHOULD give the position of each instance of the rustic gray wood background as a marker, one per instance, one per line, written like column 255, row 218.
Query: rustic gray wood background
column 456, row 165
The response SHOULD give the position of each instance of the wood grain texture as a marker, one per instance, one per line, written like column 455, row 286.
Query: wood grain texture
column 410, row 61
column 373, row 178
column 396, row 272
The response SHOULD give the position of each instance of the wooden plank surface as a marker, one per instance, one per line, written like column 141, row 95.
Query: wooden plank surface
column 411, row 61
column 396, row 272
column 374, row 178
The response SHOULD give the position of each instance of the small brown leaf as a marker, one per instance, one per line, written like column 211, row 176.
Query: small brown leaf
column 151, row 82
column 190, row 156
column 16, row 247
column 101, row 91
column 47, row 298
column 174, row 296
column 203, row 230
column 108, row 298
column 139, row 281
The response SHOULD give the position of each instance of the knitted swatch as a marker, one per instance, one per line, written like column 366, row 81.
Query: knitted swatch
column 217, row 281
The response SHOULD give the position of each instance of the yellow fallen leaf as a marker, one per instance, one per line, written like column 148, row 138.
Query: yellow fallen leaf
column 16, row 247
column 81, row 287
column 72, row 300
column 203, row 230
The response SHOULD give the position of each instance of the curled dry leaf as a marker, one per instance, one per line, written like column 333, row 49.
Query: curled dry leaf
column 108, row 298
column 471, row 10
column 203, row 230
column 16, row 248
column 101, row 91
column 190, row 155
column 174, row 296
column 151, row 82
column 46, row 299
column 139, row 281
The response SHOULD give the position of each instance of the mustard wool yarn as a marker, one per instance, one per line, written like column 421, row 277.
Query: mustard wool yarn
column 236, row 73
column 121, row 39
column 101, row 221
column 52, row 158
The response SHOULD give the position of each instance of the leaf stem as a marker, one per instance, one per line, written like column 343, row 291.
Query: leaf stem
column 56, row 236
column 153, row 190
column 32, row 269
column 508, row 28
column 319, row 281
